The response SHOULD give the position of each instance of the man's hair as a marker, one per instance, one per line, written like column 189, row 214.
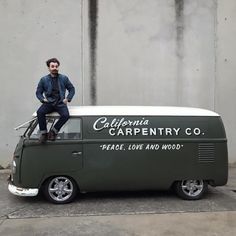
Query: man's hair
column 52, row 60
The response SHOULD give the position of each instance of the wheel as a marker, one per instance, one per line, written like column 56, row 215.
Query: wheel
column 191, row 189
column 60, row 189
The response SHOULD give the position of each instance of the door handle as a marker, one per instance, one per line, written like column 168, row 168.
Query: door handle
column 77, row 153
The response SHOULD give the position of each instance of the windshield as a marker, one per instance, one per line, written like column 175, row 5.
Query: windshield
column 25, row 127
column 26, row 124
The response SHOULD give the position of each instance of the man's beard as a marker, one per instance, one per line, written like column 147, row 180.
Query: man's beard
column 55, row 72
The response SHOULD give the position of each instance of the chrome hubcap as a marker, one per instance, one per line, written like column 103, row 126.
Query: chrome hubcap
column 60, row 189
column 192, row 188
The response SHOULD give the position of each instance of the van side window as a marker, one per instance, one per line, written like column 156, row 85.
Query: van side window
column 70, row 130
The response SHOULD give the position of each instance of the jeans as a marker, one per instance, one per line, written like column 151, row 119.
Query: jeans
column 46, row 108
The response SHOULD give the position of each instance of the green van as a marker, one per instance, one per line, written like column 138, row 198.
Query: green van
column 115, row 148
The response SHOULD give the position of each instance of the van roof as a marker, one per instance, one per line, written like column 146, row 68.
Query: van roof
column 135, row 111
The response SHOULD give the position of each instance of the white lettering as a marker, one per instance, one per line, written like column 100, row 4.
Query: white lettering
column 197, row 131
column 161, row 130
column 145, row 131
column 168, row 131
column 136, row 131
column 102, row 123
column 129, row 131
column 112, row 147
column 135, row 147
column 152, row 147
column 188, row 131
column 102, row 120
column 176, row 131
column 120, row 132
column 118, row 127
column 112, row 132
column 153, row 131
column 171, row 146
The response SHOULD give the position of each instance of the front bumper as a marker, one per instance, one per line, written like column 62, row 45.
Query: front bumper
column 23, row 192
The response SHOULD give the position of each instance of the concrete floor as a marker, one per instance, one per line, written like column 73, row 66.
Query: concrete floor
column 139, row 213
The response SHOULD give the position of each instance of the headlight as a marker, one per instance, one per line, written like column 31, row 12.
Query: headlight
column 13, row 167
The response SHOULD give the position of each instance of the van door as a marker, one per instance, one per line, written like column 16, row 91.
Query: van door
column 61, row 156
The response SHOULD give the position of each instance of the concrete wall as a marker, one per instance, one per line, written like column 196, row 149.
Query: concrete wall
column 225, row 70
column 118, row 52
column 32, row 32
column 156, row 52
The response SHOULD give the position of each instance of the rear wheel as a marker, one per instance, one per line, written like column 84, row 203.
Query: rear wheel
column 191, row 189
column 60, row 189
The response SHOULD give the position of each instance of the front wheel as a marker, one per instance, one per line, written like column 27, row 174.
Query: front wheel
column 191, row 189
column 60, row 189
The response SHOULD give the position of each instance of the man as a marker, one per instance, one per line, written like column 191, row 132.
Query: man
column 51, row 93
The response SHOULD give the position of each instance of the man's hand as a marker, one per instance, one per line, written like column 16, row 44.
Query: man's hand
column 65, row 101
column 45, row 100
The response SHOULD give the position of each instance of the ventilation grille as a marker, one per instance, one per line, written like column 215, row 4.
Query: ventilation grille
column 206, row 152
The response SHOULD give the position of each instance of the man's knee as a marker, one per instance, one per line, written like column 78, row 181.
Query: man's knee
column 41, row 112
column 44, row 109
column 65, row 116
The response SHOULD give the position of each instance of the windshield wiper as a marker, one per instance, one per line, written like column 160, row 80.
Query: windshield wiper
column 27, row 122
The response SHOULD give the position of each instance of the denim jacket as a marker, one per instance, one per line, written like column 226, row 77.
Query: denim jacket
column 45, row 88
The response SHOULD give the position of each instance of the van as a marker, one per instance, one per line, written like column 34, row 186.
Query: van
column 122, row 148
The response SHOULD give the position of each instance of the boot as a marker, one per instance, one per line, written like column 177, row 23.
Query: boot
column 52, row 135
column 43, row 138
